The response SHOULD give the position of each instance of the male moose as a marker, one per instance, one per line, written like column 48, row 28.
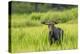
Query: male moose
column 55, row 33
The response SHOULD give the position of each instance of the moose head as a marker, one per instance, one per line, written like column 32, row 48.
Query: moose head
column 54, row 32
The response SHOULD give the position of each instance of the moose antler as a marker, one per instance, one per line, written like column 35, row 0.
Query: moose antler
column 47, row 22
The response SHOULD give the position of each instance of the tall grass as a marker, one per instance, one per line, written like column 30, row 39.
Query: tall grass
column 36, row 38
column 34, row 19
column 28, row 34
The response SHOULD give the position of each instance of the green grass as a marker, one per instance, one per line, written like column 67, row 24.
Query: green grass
column 28, row 34
column 34, row 19
column 36, row 38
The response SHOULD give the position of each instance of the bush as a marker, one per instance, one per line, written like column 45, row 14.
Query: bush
column 62, row 16
column 35, row 16
column 34, row 19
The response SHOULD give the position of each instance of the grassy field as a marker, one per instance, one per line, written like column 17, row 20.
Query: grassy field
column 28, row 34
column 34, row 18
column 36, row 38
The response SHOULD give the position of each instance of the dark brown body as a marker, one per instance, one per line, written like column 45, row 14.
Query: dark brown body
column 55, row 34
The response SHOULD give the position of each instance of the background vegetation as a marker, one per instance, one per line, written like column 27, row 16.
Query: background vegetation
column 27, row 32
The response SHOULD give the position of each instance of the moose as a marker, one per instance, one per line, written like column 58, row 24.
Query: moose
column 55, row 33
